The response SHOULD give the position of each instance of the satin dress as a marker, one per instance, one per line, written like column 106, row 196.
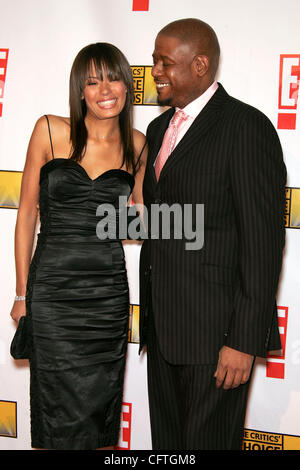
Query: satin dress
column 78, row 300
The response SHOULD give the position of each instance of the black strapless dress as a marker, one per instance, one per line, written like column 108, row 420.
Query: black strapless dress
column 78, row 300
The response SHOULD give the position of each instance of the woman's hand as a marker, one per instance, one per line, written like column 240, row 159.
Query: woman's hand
column 18, row 310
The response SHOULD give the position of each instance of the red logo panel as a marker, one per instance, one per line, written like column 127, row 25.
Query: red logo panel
column 276, row 363
column 289, row 76
column 125, row 432
column 140, row 5
column 3, row 67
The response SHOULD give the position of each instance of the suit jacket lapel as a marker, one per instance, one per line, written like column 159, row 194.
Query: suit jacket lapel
column 205, row 119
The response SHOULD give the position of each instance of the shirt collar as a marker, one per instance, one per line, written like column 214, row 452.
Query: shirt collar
column 195, row 107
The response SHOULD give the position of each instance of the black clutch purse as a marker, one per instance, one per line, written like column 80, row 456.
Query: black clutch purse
column 20, row 345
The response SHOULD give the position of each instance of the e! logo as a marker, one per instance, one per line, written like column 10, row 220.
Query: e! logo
column 3, row 67
column 289, row 76
column 276, row 363
column 125, row 431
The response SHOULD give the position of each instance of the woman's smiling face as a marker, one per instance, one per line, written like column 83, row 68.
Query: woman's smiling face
column 105, row 98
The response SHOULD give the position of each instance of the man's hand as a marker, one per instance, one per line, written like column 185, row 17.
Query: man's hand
column 233, row 368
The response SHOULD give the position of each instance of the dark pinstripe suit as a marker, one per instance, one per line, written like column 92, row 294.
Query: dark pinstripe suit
column 231, row 161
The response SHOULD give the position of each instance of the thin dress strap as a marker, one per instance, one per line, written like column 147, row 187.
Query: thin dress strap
column 141, row 153
column 50, row 135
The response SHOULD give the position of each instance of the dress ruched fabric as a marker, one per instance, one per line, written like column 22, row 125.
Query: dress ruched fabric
column 78, row 301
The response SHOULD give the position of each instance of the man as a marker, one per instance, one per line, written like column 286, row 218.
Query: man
column 206, row 313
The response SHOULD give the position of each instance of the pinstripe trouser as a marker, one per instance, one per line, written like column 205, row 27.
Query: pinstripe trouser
column 187, row 411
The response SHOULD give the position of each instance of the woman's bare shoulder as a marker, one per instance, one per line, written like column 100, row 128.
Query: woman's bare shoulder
column 140, row 146
column 139, row 141
column 51, row 121
column 56, row 127
column 139, row 138
column 58, row 122
column 58, row 119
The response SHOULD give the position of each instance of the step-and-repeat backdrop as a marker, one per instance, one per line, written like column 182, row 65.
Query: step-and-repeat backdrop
column 260, row 64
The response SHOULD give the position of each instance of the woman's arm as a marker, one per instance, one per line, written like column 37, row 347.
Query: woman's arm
column 141, row 151
column 37, row 155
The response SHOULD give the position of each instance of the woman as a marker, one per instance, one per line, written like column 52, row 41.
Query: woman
column 77, row 291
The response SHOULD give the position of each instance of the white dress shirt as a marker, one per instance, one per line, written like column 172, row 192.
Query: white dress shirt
column 194, row 108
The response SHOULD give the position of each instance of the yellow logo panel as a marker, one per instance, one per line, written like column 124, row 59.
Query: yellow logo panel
column 133, row 334
column 8, row 418
column 144, row 86
column 260, row 440
column 10, row 185
column 292, row 212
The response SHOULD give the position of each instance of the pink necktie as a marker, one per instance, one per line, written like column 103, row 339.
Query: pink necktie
column 169, row 140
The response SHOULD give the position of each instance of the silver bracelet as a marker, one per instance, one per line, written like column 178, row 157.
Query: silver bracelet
column 20, row 297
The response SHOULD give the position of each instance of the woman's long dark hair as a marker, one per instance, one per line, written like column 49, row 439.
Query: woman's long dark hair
column 108, row 58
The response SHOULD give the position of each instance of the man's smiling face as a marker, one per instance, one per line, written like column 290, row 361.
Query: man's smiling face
column 174, row 72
